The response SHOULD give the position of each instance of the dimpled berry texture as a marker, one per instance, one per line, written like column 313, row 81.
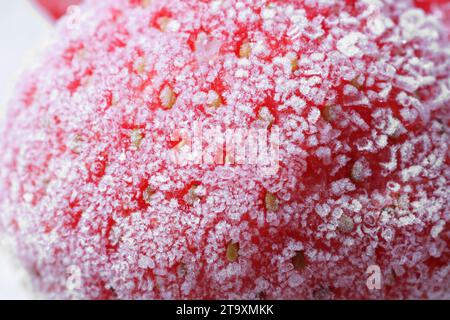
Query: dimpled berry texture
column 359, row 90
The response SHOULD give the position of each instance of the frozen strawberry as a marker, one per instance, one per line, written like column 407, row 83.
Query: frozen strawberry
column 234, row 149
column 56, row 8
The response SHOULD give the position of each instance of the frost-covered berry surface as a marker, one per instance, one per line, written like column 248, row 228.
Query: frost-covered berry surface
column 357, row 92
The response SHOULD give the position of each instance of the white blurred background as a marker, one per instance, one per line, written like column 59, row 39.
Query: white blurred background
column 23, row 29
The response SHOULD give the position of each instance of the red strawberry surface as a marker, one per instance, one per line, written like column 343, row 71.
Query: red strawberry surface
column 118, row 179
column 56, row 8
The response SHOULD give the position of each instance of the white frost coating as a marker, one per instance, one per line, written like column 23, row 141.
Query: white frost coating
column 348, row 44
column 348, row 89
column 322, row 210
column 437, row 229
column 295, row 280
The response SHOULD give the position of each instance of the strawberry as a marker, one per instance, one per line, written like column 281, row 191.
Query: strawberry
column 56, row 8
column 131, row 166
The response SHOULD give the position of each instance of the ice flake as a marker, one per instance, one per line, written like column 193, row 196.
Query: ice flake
column 296, row 103
column 360, row 170
column 348, row 44
column 28, row 197
column 145, row 262
column 314, row 115
column 411, row 21
column 268, row 13
column 241, row 73
column 378, row 25
column 411, row 172
column 206, row 48
column 342, row 186
column 407, row 83
column 322, row 210
column 295, row 280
